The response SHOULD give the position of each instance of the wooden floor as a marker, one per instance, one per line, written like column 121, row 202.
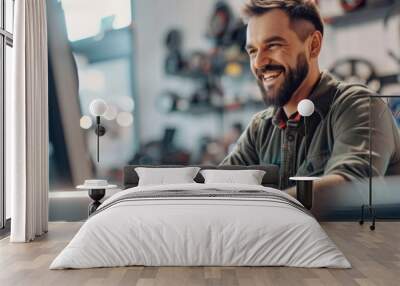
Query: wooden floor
column 375, row 257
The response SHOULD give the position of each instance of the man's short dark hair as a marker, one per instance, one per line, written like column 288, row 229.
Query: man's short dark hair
column 296, row 10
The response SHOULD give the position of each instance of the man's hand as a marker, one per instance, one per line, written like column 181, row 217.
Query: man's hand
column 323, row 190
column 326, row 183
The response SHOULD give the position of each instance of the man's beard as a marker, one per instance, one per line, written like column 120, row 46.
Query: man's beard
column 292, row 81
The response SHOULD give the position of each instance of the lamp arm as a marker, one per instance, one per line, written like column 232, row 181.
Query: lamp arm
column 305, row 139
column 98, row 137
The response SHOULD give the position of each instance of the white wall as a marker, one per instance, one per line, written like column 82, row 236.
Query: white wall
column 366, row 40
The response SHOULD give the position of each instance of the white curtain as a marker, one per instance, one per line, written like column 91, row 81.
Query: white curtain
column 27, row 123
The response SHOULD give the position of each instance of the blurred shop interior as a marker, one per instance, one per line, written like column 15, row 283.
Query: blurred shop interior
column 176, row 78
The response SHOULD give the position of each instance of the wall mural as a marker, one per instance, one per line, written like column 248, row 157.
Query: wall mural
column 178, row 89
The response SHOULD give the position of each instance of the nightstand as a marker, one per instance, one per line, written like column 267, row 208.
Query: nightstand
column 304, row 190
column 96, row 193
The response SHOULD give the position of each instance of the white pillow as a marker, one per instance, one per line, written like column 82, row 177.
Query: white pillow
column 248, row 177
column 163, row 176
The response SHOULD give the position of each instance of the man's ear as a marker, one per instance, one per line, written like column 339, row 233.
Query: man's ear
column 315, row 44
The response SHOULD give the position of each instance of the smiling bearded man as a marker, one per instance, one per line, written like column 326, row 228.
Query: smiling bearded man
column 284, row 40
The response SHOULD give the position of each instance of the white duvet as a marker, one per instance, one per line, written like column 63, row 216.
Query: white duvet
column 200, row 231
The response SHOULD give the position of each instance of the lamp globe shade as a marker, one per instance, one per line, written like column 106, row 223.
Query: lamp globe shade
column 305, row 107
column 98, row 107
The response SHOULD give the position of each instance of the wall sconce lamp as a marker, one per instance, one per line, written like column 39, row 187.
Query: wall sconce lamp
column 98, row 108
column 304, row 188
column 306, row 109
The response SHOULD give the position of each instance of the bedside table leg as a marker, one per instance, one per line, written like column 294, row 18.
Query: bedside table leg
column 93, row 207
column 304, row 193
column 96, row 195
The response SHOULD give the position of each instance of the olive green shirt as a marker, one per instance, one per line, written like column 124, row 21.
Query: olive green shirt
column 337, row 136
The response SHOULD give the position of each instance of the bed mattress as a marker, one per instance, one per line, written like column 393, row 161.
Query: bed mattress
column 201, row 225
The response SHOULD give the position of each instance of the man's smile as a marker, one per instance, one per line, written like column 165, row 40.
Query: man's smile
column 270, row 77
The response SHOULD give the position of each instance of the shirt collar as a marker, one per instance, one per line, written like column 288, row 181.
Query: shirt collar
column 322, row 96
column 280, row 119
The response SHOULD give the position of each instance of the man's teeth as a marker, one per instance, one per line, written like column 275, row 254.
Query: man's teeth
column 270, row 76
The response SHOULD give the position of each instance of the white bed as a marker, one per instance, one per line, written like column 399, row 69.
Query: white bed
column 271, row 229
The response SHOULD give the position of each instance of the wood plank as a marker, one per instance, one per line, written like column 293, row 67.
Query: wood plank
column 375, row 257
